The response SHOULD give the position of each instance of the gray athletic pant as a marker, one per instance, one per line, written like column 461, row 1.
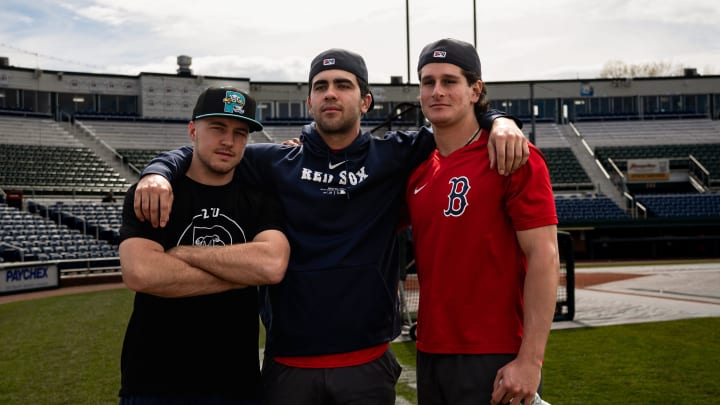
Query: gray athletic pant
column 367, row 384
column 458, row 379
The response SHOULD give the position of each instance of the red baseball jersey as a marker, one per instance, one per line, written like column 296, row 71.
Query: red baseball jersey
column 471, row 269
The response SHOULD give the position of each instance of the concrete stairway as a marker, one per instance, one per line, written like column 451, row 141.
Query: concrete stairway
column 584, row 154
column 103, row 150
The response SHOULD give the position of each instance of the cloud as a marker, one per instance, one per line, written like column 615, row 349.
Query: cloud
column 517, row 39
column 105, row 15
column 13, row 20
column 255, row 68
column 671, row 12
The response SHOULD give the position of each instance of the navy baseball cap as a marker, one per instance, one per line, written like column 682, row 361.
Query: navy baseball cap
column 451, row 51
column 227, row 102
column 340, row 59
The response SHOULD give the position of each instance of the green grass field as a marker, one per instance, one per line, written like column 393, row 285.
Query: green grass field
column 66, row 350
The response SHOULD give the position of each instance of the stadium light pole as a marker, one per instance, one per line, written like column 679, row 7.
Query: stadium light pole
column 407, row 37
column 475, row 23
column 532, row 113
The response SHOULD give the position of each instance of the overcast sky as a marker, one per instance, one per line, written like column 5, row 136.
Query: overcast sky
column 267, row 40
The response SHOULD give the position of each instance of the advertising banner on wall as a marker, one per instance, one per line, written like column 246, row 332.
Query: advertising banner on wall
column 648, row 170
column 29, row 276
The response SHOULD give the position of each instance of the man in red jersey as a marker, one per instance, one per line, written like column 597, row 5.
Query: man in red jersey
column 486, row 248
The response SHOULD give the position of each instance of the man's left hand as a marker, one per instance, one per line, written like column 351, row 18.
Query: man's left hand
column 507, row 146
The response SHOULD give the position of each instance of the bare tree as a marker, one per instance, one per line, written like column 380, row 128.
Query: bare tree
column 617, row 69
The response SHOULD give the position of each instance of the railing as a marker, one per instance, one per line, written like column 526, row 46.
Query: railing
column 87, row 131
column 565, row 300
column 20, row 249
column 404, row 109
column 617, row 176
column 74, row 268
column 697, row 171
column 573, row 186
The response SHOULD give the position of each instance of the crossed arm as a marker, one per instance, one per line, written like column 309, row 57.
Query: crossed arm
column 193, row 270
column 520, row 378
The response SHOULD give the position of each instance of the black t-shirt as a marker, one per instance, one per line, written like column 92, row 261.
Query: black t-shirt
column 205, row 344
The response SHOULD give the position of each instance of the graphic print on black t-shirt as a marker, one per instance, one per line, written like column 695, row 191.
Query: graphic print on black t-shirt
column 211, row 228
column 205, row 344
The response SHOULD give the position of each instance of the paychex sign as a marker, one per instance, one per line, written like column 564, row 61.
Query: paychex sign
column 28, row 277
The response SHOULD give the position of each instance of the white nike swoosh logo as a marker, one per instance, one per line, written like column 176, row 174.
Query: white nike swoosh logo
column 417, row 189
column 333, row 166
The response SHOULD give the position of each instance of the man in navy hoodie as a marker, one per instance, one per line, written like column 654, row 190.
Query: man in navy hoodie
column 330, row 321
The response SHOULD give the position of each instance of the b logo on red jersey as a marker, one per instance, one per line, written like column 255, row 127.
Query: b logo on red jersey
column 457, row 199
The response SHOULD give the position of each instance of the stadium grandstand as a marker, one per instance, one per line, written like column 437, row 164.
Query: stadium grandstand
column 634, row 163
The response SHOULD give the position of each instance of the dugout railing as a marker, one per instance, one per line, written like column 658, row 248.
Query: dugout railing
column 565, row 301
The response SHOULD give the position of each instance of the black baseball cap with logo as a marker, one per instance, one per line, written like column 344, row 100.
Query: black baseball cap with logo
column 227, row 102
column 453, row 51
column 344, row 60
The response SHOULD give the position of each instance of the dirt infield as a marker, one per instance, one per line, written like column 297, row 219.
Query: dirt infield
column 68, row 288
column 582, row 280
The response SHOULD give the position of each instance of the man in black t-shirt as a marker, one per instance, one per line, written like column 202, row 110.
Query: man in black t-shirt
column 193, row 334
